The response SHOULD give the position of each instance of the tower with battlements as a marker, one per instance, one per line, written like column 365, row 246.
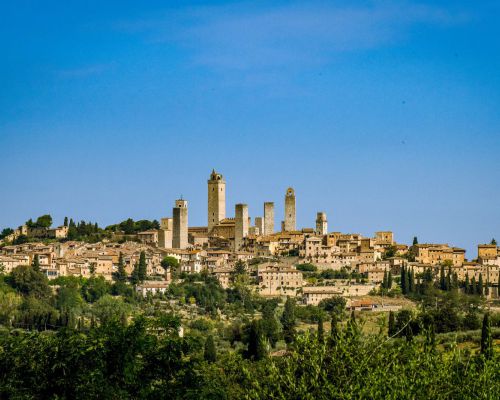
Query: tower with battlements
column 290, row 220
column 216, row 199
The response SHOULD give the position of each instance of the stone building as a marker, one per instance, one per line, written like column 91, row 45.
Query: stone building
column 279, row 280
column 290, row 218
column 240, row 225
column 216, row 199
column 435, row 254
column 321, row 224
column 180, row 225
column 268, row 218
column 165, row 233
column 259, row 224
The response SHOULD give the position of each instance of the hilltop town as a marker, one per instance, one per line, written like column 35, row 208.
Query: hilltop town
column 309, row 264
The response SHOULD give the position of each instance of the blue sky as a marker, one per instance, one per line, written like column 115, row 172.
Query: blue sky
column 384, row 114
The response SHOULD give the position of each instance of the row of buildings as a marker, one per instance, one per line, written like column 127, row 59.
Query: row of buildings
column 225, row 240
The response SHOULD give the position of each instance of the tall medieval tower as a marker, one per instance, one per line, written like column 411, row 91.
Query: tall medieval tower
column 321, row 224
column 216, row 199
column 180, row 225
column 290, row 210
column 241, row 223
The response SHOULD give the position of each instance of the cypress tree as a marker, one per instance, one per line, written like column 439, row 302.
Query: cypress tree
column 334, row 329
column 407, row 282
column 403, row 280
column 415, row 241
column 257, row 349
column 442, row 279
column 487, row 288
column 480, row 285
column 65, row 221
column 473, row 286
column 486, row 341
column 121, row 274
column 454, row 282
column 389, row 280
column 134, row 278
column 467, row 284
column 288, row 320
column 210, row 352
column 321, row 332
column 142, row 271
column 448, row 280
column 36, row 263
column 384, row 280
column 411, row 283
column 352, row 325
column 392, row 324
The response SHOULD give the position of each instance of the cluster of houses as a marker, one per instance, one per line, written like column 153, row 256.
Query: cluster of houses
column 217, row 247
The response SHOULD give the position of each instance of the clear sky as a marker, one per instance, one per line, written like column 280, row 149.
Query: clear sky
column 383, row 114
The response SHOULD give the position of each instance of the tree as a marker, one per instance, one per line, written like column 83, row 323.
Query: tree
column 392, row 324
column 321, row 330
column 9, row 307
column 411, row 281
column 109, row 308
column 65, row 221
column 486, row 340
column 415, row 240
column 288, row 320
column 467, row 284
column 170, row 263
column 134, row 278
column 6, row 232
column 334, row 305
column 493, row 242
column 270, row 324
column 142, row 270
column 352, row 325
column 128, row 226
column 257, row 348
column 36, row 263
column 44, row 221
column 210, row 352
column 442, row 278
column 121, row 274
column 404, row 281
column 334, row 329
column 480, row 285
column 384, row 280
column 30, row 282
column 389, row 280
column 473, row 286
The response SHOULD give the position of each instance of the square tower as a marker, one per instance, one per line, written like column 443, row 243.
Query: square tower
column 240, row 225
column 165, row 233
column 290, row 210
column 216, row 199
column 180, row 225
column 268, row 218
column 321, row 224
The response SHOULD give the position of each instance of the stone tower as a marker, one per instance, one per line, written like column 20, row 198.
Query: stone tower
column 240, row 225
column 321, row 224
column 216, row 199
column 165, row 233
column 268, row 218
column 290, row 210
column 259, row 224
column 180, row 225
